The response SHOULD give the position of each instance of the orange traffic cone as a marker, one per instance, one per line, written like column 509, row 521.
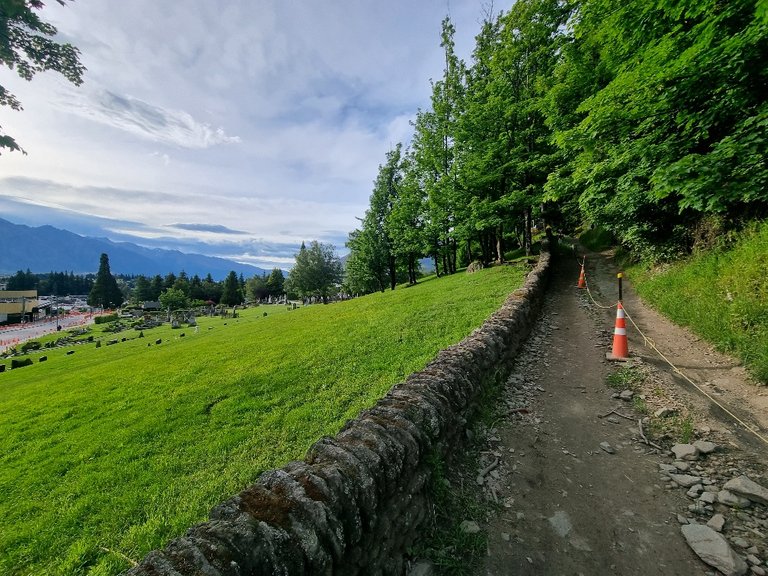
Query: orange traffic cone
column 582, row 280
column 620, row 349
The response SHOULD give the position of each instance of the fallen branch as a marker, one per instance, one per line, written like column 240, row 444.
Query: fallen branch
column 617, row 414
column 642, row 435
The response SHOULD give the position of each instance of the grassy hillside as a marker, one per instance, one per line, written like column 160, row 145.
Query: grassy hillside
column 111, row 451
column 721, row 295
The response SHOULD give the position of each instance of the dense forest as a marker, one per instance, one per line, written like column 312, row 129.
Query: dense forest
column 182, row 290
column 52, row 283
column 645, row 118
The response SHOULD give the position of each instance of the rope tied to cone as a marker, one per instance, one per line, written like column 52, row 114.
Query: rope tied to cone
column 649, row 343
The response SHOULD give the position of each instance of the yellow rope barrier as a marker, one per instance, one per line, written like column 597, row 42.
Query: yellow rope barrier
column 589, row 292
column 651, row 344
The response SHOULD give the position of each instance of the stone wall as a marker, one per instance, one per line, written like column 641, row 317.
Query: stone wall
column 358, row 500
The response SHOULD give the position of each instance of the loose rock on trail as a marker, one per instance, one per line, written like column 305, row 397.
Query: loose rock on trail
column 579, row 479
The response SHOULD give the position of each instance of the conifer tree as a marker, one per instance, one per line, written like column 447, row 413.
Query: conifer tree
column 231, row 294
column 105, row 292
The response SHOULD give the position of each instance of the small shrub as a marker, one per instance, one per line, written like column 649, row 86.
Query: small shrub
column 686, row 430
column 106, row 318
column 625, row 378
column 640, row 405
column 30, row 345
column 20, row 363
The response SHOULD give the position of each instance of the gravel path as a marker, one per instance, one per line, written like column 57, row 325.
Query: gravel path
column 572, row 487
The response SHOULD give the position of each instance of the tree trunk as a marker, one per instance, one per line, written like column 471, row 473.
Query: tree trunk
column 484, row 243
column 469, row 251
column 500, row 245
column 527, row 232
column 392, row 272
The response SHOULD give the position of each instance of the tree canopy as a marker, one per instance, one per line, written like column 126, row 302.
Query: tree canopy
column 174, row 299
column 231, row 293
column 645, row 118
column 316, row 273
column 27, row 46
column 105, row 292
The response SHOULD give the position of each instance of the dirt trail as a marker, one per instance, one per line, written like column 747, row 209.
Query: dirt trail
column 566, row 505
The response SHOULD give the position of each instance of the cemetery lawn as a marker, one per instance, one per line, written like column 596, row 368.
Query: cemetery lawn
column 107, row 453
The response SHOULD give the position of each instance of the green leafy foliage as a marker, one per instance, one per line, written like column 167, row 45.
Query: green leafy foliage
column 174, row 299
column 659, row 112
column 372, row 262
column 105, row 292
column 114, row 450
column 722, row 295
column 26, row 46
column 317, row 272
column 231, row 294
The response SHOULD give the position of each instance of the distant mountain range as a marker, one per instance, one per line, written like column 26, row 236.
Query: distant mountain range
column 47, row 249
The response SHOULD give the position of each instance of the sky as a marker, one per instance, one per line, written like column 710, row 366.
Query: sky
column 235, row 129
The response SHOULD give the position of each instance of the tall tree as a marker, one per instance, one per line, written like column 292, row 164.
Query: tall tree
column 365, row 266
column 481, row 135
column 169, row 280
column 174, row 299
column 230, row 294
column 531, row 38
column 434, row 151
column 256, row 288
column 142, row 290
column 105, row 292
column 182, row 283
column 405, row 221
column 27, row 46
column 22, row 281
column 157, row 287
column 317, row 271
column 673, row 130
column 196, row 288
column 372, row 264
column 274, row 282
column 212, row 290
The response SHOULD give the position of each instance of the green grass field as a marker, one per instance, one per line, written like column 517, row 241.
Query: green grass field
column 722, row 295
column 110, row 452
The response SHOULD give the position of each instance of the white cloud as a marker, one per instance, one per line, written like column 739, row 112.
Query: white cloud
column 264, row 117
column 135, row 116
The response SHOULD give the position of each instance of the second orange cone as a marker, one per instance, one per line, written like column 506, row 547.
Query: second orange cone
column 582, row 280
column 620, row 349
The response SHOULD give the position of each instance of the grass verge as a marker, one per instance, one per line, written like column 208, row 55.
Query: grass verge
column 721, row 295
